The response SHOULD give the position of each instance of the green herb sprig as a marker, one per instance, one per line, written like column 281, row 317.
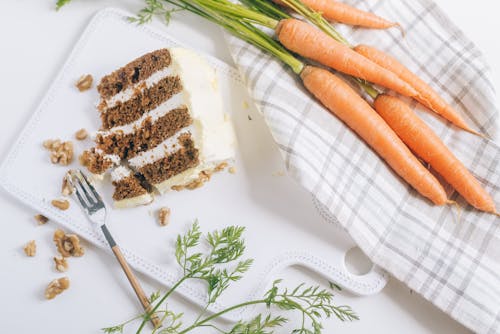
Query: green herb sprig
column 219, row 267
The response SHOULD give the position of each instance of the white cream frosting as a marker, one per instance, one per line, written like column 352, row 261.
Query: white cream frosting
column 134, row 201
column 119, row 173
column 128, row 93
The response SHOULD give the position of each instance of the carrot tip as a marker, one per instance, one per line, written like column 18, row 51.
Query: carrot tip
column 478, row 134
column 401, row 29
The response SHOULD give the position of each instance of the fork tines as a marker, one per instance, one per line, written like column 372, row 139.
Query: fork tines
column 85, row 191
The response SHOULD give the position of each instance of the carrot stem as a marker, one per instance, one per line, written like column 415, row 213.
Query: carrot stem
column 230, row 18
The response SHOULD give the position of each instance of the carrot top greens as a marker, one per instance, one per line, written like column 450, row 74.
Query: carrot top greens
column 221, row 266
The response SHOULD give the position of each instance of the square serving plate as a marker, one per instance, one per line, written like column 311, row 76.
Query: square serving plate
column 284, row 226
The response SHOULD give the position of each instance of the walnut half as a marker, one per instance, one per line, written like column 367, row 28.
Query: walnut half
column 60, row 152
column 164, row 216
column 56, row 287
column 30, row 248
column 41, row 219
column 66, row 188
column 84, row 83
column 61, row 263
column 67, row 244
column 61, row 204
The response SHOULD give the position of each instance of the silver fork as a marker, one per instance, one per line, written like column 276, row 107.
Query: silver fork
column 93, row 205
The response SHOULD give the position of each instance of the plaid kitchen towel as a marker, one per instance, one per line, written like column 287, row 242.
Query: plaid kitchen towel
column 450, row 257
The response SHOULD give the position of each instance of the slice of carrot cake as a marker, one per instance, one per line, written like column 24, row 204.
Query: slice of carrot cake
column 163, row 116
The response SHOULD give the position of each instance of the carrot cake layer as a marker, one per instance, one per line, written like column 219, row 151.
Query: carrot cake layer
column 128, row 189
column 171, row 164
column 141, row 102
column 150, row 134
column 135, row 71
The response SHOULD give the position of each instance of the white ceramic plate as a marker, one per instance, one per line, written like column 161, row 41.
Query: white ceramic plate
column 283, row 225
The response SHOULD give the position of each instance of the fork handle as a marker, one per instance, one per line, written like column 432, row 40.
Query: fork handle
column 155, row 320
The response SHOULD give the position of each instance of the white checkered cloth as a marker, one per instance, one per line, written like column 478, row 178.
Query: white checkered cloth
column 449, row 257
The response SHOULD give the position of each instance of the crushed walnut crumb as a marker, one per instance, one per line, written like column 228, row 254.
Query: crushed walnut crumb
column 81, row 134
column 41, row 219
column 84, row 83
column 60, row 152
column 61, row 263
column 221, row 166
column 177, row 188
column 203, row 177
column 66, row 188
column 67, row 244
column 56, row 287
column 61, row 204
column 164, row 216
column 30, row 248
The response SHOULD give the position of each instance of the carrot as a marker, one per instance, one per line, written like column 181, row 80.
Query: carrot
column 309, row 42
column 347, row 105
column 339, row 12
column 427, row 145
column 426, row 95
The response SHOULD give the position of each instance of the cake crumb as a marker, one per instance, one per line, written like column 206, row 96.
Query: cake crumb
column 61, row 204
column 164, row 216
column 60, row 152
column 177, row 188
column 56, row 287
column 66, row 188
column 61, row 263
column 84, row 83
column 81, row 134
column 245, row 104
column 41, row 219
column 232, row 170
column 67, row 244
column 30, row 248
column 279, row 173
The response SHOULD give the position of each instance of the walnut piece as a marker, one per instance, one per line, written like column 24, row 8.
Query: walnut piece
column 41, row 219
column 84, row 83
column 164, row 216
column 81, row 134
column 66, row 188
column 61, row 204
column 30, row 248
column 61, row 263
column 56, row 287
column 67, row 244
column 60, row 152
column 220, row 166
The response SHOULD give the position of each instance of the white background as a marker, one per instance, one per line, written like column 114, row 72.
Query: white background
column 35, row 41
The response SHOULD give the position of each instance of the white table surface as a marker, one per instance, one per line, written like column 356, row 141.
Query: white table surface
column 35, row 40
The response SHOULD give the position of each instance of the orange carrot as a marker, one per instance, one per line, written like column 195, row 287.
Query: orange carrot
column 427, row 145
column 347, row 105
column 426, row 95
column 309, row 42
column 339, row 12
